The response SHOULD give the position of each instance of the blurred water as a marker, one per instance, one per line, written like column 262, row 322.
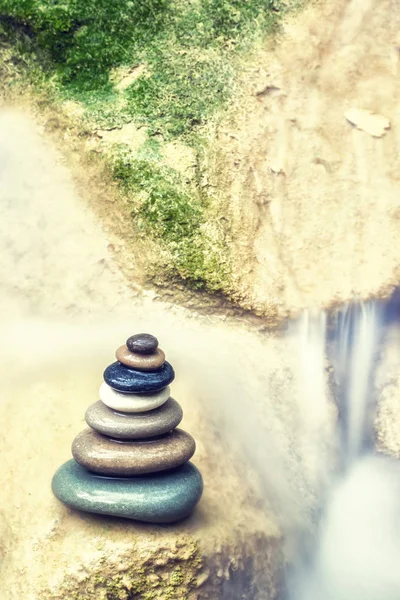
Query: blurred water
column 354, row 553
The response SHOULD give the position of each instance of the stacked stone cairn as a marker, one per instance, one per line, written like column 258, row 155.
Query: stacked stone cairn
column 132, row 461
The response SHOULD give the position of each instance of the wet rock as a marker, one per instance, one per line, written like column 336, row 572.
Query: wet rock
column 135, row 425
column 106, row 456
column 162, row 498
column 132, row 403
column 141, row 362
column 142, row 343
column 124, row 379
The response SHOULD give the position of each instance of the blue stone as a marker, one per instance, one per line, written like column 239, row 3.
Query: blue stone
column 158, row 498
column 125, row 379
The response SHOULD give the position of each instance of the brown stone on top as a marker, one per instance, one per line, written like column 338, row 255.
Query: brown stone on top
column 141, row 362
column 107, row 456
column 142, row 343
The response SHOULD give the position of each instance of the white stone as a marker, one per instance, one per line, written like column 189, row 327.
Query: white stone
column 132, row 403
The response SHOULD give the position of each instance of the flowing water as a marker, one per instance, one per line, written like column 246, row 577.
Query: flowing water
column 355, row 552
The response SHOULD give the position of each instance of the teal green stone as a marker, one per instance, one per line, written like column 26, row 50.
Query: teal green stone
column 157, row 498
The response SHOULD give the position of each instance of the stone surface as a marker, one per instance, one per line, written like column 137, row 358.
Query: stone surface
column 143, row 343
column 158, row 498
column 132, row 403
column 141, row 362
column 107, row 456
column 129, row 380
column 134, row 426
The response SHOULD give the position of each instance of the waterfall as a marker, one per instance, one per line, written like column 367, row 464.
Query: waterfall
column 357, row 543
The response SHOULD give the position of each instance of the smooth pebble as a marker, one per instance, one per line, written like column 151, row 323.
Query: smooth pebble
column 164, row 497
column 141, row 362
column 143, row 343
column 134, row 426
column 105, row 456
column 132, row 403
column 125, row 379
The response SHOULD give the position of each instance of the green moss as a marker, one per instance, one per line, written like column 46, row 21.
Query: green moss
column 164, row 206
column 116, row 590
column 149, row 596
column 181, row 91
column 18, row 62
column 162, row 203
column 99, row 580
column 84, row 40
column 186, row 47
column 189, row 54
column 151, row 149
column 202, row 263
column 176, row 577
column 230, row 24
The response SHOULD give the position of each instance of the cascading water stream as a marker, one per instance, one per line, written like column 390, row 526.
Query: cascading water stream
column 357, row 542
column 356, row 335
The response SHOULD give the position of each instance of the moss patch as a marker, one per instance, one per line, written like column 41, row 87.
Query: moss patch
column 187, row 48
column 185, row 60
column 163, row 578
column 165, row 206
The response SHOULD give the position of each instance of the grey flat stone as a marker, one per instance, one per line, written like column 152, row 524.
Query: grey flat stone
column 134, row 426
column 158, row 498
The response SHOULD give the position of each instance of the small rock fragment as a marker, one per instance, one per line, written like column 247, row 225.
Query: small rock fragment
column 365, row 120
column 276, row 166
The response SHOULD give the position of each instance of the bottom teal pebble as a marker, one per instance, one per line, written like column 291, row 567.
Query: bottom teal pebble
column 157, row 498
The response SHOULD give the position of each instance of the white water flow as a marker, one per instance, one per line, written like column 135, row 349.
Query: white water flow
column 356, row 550
column 355, row 340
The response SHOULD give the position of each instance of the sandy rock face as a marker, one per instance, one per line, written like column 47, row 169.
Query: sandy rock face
column 172, row 570
column 65, row 307
column 311, row 202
